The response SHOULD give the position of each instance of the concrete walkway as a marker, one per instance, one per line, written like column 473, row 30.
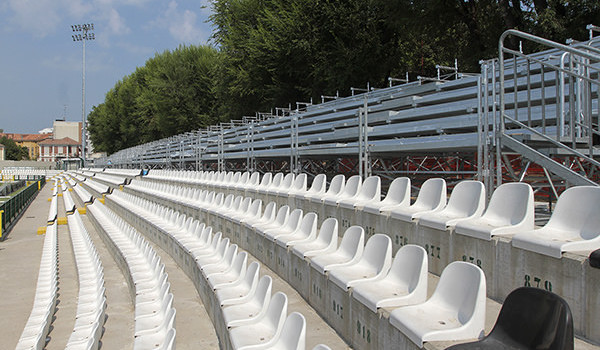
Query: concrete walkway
column 20, row 256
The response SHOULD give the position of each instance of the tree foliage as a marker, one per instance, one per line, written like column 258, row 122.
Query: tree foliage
column 172, row 93
column 272, row 53
column 12, row 151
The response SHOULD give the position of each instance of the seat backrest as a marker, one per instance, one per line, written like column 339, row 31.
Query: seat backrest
column 266, row 180
column 269, row 212
column 287, row 181
column 577, row 210
column 308, row 225
column 432, row 194
column 353, row 186
column 511, row 202
column 371, row 189
column 277, row 311
column 461, row 287
column 321, row 347
column 293, row 221
column 282, row 215
column 244, row 178
column 319, row 184
column 235, row 179
column 245, row 205
column 277, row 179
column 293, row 333
column 239, row 263
column 535, row 319
column 410, row 267
column 467, row 198
column 337, row 185
column 299, row 184
column 255, row 207
column 378, row 252
column 353, row 242
column 254, row 179
column 262, row 294
column 328, row 231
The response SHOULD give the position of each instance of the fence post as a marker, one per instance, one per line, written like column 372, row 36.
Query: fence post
column 1, row 212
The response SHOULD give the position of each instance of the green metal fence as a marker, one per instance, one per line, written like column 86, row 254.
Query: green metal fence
column 12, row 209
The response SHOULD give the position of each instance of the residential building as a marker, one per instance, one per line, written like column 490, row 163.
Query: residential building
column 53, row 150
column 62, row 129
column 30, row 141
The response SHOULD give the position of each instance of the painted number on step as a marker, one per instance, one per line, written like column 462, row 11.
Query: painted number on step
column 400, row 240
column 537, row 282
column 433, row 250
column 364, row 332
column 338, row 309
column 472, row 260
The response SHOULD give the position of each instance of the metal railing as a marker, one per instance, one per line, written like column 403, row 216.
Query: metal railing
column 567, row 80
column 12, row 209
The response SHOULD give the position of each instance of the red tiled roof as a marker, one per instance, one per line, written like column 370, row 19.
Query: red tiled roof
column 26, row 137
column 65, row 141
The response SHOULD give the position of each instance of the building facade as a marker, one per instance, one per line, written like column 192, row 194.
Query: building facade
column 54, row 150
column 30, row 141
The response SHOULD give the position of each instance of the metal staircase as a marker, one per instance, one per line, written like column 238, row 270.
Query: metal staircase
column 540, row 112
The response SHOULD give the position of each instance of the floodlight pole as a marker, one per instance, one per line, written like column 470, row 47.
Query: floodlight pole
column 88, row 34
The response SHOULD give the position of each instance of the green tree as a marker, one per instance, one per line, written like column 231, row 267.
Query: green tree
column 12, row 151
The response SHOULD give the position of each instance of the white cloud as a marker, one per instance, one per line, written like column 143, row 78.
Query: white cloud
column 38, row 17
column 182, row 25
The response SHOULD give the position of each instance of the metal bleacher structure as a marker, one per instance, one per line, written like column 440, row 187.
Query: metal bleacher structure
column 524, row 117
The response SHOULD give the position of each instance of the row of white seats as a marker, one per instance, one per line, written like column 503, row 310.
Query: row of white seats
column 44, row 305
column 501, row 238
column 91, row 303
column 243, row 308
column 97, row 187
column 68, row 202
column 154, row 312
column 369, row 270
column 111, row 179
column 510, row 211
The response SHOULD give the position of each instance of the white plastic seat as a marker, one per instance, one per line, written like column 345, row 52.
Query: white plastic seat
column 232, row 274
column 373, row 264
column 268, row 215
column 264, row 329
column 325, row 242
column 280, row 219
column 291, row 224
column 455, row 311
column 251, row 308
column 336, row 187
column 321, row 347
column 228, row 293
column 404, row 284
column 431, row 198
column 274, row 186
column 511, row 210
column 467, row 201
column 306, row 231
column 285, row 186
column 351, row 188
column 265, row 182
column 298, row 188
column 369, row 191
column 573, row 226
column 349, row 251
column 318, row 186
column 292, row 336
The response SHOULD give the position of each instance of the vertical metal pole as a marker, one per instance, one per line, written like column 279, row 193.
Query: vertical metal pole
column 360, row 143
column 500, row 117
column 479, row 130
column 83, row 127
column 366, row 137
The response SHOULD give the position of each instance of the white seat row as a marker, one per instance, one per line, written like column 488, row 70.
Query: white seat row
column 154, row 312
column 97, row 187
column 110, row 179
column 83, row 194
column 243, row 308
column 351, row 266
column 68, row 202
column 44, row 305
column 91, row 303
column 500, row 238
column 53, row 211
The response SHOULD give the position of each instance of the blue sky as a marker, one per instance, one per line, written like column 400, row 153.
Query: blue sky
column 41, row 66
